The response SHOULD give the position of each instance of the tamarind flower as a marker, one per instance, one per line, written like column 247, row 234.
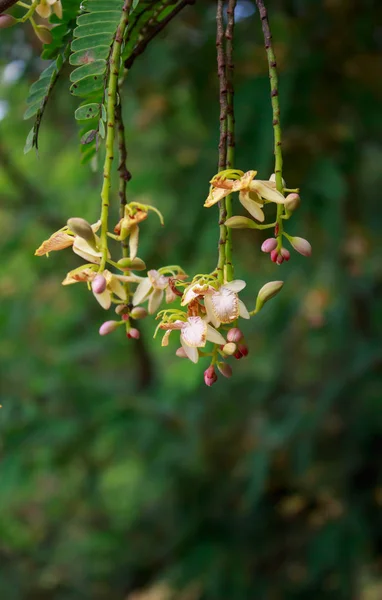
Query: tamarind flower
column 194, row 333
column 153, row 288
column 223, row 304
column 252, row 192
column 112, row 285
column 64, row 237
column 45, row 7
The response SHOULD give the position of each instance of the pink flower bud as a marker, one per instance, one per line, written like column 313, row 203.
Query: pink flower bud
column 292, row 202
column 269, row 244
column 274, row 255
column 243, row 349
column 99, row 284
column 229, row 348
column 210, row 376
column 301, row 245
column 234, row 335
column 279, row 259
column 181, row 353
column 285, row 254
column 108, row 327
column 7, row 21
column 125, row 316
column 138, row 312
column 133, row 334
column 225, row 369
column 238, row 355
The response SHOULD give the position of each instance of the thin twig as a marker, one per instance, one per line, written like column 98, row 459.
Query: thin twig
column 153, row 31
column 230, row 124
column 221, row 61
column 272, row 66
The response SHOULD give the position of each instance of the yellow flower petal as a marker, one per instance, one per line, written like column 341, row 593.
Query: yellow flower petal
column 57, row 241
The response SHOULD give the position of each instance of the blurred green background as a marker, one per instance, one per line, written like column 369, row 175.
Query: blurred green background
column 122, row 476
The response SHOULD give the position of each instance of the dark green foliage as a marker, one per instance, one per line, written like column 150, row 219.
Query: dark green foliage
column 119, row 467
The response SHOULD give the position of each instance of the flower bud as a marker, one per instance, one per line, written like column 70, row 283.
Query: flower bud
column 121, row 308
column 285, row 254
column 210, row 376
column 238, row 355
column 301, row 245
column 269, row 244
column 99, row 284
column 133, row 333
column 43, row 34
column 292, row 202
column 279, row 259
column 273, row 178
column 7, row 21
column 108, row 327
column 83, row 229
column 243, row 349
column 274, row 255
column 181, row 353
column 138, row 312
column 234, row 335
column 229, row 348
column 225, row 369
column 131, row 264
column 267, row 292
column 240, row 223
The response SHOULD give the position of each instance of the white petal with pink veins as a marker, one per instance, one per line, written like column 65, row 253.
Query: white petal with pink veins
column 158, row 281
column 225, row 305
column 194, row 332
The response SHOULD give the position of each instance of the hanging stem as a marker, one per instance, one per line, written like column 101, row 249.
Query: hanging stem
column 221, row 60
column 110, row 136
column 230, row 127
column 272, row 66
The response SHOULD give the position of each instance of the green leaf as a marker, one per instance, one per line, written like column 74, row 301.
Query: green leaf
column 29, row 141
column 88, row 111
column 101, row 128
column 95, row 68
column 84, row 57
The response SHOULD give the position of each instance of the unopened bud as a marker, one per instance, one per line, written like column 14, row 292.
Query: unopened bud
column 273, row 178
column 274, row 255
column 268, row 291
column 138, row 312
column 131, row 264
column 181, row 353
column 83, row 229
column 301, row 245
column 234, row 335
column 210, row 376
column 240, row 223
column 121, row 308
column 292, row 202
column 99, row 284
column 225, row 369
column 285, row 254
column 229, row 348
column 108, row 327
column 133, row 333
column 269, row 244
column 43, row 34
column 279, row 259
column 243, row 349
column 7, row 21
column 238, row 355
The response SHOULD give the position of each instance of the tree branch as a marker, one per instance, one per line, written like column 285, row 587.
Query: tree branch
column 5, row 4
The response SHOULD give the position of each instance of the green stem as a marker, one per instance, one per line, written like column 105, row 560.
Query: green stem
column 221, row 60
column 110, row 136
column 272, row 66
column 29, row 13
column 230, row 128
